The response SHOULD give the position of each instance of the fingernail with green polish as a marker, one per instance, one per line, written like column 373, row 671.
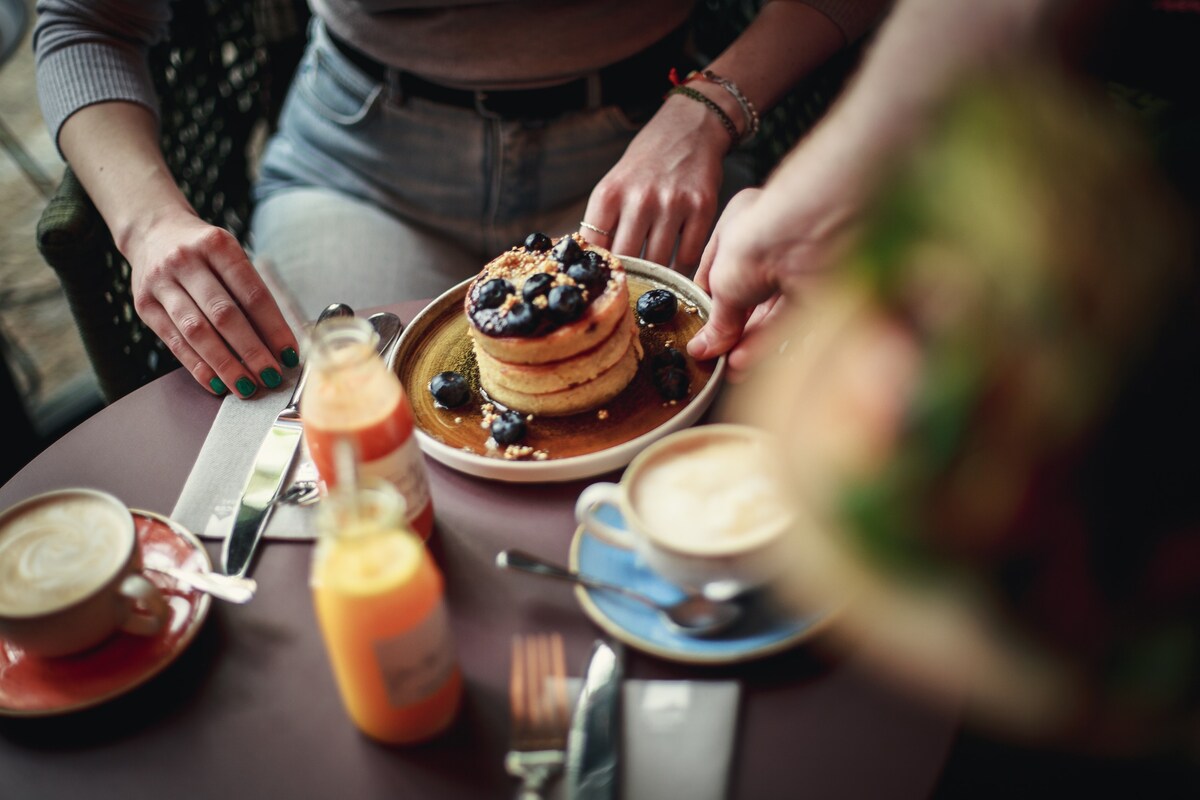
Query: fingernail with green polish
column 217, row 386
column 271, row 377
column 245, row 386
column 289, row 357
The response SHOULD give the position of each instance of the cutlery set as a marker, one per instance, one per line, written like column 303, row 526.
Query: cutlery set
column 265, row 486
column 546, row 736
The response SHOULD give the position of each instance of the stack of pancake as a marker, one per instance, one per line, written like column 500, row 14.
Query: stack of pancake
column 559, row 363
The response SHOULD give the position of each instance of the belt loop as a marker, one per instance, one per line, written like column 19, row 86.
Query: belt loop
column 481, row 98
column 595, row 90
column 394, row 81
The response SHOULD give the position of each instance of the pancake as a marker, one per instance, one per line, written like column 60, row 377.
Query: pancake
column 582, row 397
column 555, row 376
column 551, row 326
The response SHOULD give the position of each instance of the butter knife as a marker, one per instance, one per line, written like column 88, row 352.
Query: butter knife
column 593, row 744
column 271, row 466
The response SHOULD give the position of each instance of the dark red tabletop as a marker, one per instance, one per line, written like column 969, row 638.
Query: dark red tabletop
column 250, row 709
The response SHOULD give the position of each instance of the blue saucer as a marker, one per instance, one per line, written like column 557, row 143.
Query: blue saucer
column 764, row 629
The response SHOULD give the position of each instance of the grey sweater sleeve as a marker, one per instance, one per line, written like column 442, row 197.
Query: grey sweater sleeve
column 91, row 51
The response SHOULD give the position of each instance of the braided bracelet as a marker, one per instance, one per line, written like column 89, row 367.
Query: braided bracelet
column 748, row 109
column 699, row 97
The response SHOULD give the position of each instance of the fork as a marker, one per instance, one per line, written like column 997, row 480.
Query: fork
column 538, row 697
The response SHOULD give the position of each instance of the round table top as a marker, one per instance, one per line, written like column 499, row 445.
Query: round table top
column 251, row 708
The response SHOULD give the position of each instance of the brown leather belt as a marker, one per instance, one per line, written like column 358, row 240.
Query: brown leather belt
column 639, row 81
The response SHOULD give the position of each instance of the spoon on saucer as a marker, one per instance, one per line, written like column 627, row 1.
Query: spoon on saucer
column 223, row 587
column 694, row 615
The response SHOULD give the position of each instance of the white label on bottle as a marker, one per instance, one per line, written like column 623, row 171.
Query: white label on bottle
column 418, row 662
column 404, row 468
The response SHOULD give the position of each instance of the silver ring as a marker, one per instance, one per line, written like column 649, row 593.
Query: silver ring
column 594, row 229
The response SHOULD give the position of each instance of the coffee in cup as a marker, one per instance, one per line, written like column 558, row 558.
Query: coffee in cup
column 700, row 506
column 69, row 574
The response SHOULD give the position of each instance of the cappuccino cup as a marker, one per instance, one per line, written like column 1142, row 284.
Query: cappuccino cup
column 701, row 506
column 70, row 574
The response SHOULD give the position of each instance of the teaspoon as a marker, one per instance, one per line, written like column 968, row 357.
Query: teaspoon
column 694, row 615
column 224, row 587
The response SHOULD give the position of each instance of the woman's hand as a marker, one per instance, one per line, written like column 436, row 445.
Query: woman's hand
column 192, row 283
column 195, row 288
column 663, row 191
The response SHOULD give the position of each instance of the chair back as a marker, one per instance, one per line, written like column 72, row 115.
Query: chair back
column 219, row 81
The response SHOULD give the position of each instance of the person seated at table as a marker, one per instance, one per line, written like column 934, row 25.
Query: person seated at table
column 415, row 144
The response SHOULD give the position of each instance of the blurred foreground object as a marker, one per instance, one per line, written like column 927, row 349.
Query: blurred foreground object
column 990, row 412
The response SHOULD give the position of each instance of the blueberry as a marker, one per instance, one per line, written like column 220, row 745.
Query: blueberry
column 672, row 383
column 656, row 306
column 489, row 320
column 521, row 320
column 567, row 251
column 508, row 428
column 493, row 293
column 449, row 389
column 566, row 303
column 536, row 285
column 587, row 274
column 667, row 359
column 538, row 242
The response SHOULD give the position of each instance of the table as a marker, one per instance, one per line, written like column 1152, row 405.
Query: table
column 250, row 709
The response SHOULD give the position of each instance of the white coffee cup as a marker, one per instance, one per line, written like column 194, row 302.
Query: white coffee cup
column 70, row 574
column 701, row 506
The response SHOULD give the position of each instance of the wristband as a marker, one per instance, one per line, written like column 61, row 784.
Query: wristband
column 699, row 97
column 748, row 109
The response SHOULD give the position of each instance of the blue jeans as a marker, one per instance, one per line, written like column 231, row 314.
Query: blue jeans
column 367, row 197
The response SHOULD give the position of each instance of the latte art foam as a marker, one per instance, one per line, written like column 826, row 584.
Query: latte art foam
column 712, row 496
column 54, row 554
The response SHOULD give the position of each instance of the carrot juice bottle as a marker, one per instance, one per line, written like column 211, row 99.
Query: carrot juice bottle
column 379, row 603
column 352, row 394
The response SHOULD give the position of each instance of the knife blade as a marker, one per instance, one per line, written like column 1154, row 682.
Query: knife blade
column 593, row 743
column 271, row 465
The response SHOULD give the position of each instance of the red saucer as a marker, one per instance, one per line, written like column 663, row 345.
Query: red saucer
column 32, row 687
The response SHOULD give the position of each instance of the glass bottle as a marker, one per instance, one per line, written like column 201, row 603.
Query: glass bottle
column 379, row 603
column 352, row 394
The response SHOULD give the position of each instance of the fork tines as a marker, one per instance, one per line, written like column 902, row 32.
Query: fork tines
column 538, row 693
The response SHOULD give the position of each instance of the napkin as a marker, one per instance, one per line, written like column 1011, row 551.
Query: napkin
column 677, row 739
column 209, row 500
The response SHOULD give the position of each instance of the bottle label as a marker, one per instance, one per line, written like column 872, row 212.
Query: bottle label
column 404, row 468
column 419, row 661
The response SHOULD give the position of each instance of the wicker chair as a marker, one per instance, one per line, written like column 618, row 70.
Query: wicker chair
column 218, row 78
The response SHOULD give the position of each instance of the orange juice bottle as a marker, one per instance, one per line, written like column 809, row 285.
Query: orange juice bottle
column 352, row 394
column 379, row 603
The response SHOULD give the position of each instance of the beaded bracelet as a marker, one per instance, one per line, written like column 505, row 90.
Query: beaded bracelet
column 748, row 109
column 699, row 97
